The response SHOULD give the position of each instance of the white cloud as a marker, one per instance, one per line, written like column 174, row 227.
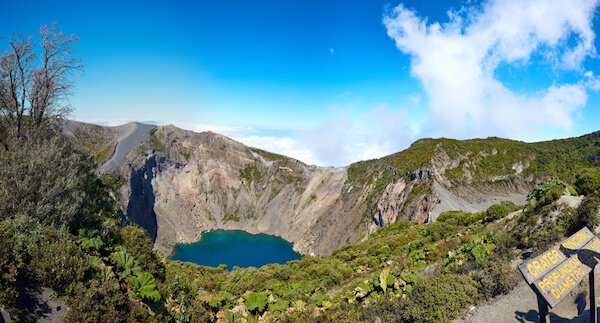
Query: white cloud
column 338, row 141
column 229, row 131
column 456, row 61
column 106, row 122
column 415, row 99
column 282, row 145
column 267, row 139
column 592, row 81
column 343, row 139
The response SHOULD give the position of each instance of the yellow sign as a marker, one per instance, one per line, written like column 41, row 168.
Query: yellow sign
column 578, row 239
column 557, row 283
column 544, row 263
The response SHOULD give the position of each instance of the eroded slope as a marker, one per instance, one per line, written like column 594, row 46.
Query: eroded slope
column 182, row 183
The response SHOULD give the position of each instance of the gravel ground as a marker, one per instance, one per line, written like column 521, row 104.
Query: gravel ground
column 478, row 201
column 520, row 305
column 129, row 136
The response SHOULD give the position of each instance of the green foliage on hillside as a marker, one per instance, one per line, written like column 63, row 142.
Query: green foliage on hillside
column 45, row 177
column 269, row 155
column 109, row 270
column 498, row 211
column 478, row 160
column 95, row 141
column 250, row 173
column 60, row 229
column 587, row 181
column 231, row 217
column 383, row 276
column 441, row 298
column 156, row 142
column 77, row 244
column 548, row 192
column 494, row 212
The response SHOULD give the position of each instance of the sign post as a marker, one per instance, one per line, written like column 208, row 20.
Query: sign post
column 593, row 312
column 554, row 273
column 543, row 309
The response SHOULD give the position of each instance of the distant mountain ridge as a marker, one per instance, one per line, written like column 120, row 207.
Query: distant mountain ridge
column 180, row 183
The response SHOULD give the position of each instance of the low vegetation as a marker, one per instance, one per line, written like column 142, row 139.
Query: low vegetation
column 60, row 229
column 155, row 142
column 106, row 269
column 231, row 217
column 482, row 160
column 250, row 173
column 95, row 141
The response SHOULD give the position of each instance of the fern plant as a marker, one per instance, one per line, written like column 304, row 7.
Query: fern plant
column 256, row 302
column 144, row 286
column 90, row 240
column 127, row 266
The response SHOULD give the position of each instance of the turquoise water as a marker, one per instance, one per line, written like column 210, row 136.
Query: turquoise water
column 236, row 248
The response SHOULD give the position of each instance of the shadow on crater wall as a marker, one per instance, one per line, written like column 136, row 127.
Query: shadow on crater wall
column 140, row 209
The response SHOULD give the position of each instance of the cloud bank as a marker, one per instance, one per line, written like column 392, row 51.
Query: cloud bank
column 337, row 141
column 456, row 63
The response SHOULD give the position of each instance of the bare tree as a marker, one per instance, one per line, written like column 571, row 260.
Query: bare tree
column 33, row 91
column 52, row 82
column 15, row 71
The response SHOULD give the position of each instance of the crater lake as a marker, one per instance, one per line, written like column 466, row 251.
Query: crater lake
column 236, row 248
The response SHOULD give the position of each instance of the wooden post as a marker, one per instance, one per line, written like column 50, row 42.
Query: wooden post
column 593, row 311
column 543, row 309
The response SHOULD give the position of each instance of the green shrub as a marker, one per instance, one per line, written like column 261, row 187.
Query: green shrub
column 192, row 311
column 439, row 230
column 8, row 272
column 50, row 181
column 547, row 193
column 496, row 277
column 100, row 302
column 498, row 211
column 441, row 298
column 567, row 221
column 587, row 213
column 60, row 263
column 256, row 302
column 125, row 264
column 250, row 173
column 137, row 243
column 90, row 241
column 144, row 286
column 587, row 181
column 24, row 234
column 459, row 218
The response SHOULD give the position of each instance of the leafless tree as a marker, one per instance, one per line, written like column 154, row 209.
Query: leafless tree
column 34, row 90
column 15, row 70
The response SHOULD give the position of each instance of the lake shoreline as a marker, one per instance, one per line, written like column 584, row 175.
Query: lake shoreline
column 235, row 248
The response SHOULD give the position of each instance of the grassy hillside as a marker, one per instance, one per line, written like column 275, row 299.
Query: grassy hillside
column 405, row 272
column 96, row 141
column 72, row 240
column 467, row 162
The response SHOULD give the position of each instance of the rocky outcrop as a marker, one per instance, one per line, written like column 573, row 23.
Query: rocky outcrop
column 141, row 198
column 182, row 183
column 207, row 181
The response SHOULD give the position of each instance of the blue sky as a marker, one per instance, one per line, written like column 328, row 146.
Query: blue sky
column 333, row 82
